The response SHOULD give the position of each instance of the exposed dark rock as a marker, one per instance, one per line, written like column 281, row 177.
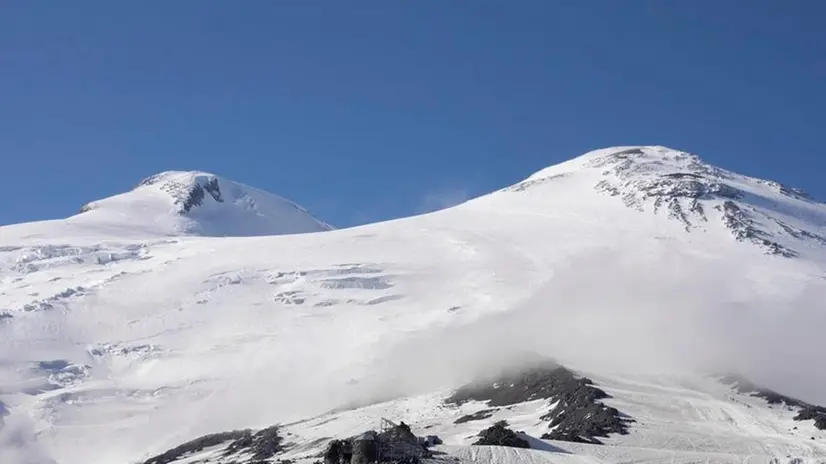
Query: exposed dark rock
column 639, row 183
column 606, row 187
column 153, row 179
column 791, row 192
column 334, row 453
column 264, row 444
column 678, row 183
column 578, row 414
column 542, row 380
column 399, row 444
column 744, row 228
column 198, row 192
column 683, row 175
column 396, row 444
column 186, row 194
column 811, row 412
column 581, row 421
column 260, row 446
column 479, row 415
column 686, row 185
column 365, row 449
column 671, row 191
column 400, row 434
column 800, row 233
column 500, row 435
column 197, row 445
column 806, row 411
column 629, row 153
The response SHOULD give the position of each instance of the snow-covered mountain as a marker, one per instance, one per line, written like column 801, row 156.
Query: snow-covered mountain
column 699, row 196
column 177, row 203
column 145, row 322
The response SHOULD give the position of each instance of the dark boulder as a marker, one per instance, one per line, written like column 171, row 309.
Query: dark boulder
column 479, row 415
column 365, row 449
column 264, row 444
column 334, row 453
column 400, row 434
column 501, row 435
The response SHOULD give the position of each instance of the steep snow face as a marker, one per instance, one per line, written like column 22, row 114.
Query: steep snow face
column 178, row 203
column 119, row 341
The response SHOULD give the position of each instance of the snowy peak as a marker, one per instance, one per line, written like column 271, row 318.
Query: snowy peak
column 701, row 197
column 188, row 189
column 200, row 203
column 121, row 341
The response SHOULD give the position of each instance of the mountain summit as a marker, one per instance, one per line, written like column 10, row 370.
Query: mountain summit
column 200, row 203
column 780, row 220
column 180, row 203
column 144, row 322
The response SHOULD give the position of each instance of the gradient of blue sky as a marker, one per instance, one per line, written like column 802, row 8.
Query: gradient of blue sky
column 369, row 110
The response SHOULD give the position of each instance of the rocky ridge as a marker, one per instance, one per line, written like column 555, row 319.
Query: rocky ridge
column 575, row 410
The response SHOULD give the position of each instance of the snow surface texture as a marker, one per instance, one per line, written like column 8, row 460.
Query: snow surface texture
column 145, row 321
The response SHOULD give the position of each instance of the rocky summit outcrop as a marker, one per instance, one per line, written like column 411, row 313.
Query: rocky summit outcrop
column 576, row 412
column 187, row 192
column 198, row 203
column 500, row 435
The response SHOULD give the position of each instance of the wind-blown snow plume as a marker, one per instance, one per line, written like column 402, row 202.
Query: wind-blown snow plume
column 18, row 440
column 18, row 444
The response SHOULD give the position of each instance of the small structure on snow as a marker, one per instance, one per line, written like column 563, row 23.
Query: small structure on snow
column 395, row 444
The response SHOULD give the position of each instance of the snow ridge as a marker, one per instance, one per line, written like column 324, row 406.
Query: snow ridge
column 187, row 194
column 200, row 203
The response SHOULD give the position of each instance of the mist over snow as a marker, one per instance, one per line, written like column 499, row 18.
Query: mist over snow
column 126, row 334
column 18, row 439
column 689, row 318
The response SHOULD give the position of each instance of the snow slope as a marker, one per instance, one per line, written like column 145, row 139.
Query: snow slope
column 677, row 419
column 177, row 203
column 139, row 324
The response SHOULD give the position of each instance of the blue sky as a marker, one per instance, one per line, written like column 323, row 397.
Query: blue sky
column 370, row 110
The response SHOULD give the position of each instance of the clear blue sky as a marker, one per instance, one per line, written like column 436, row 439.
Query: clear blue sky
column 369, row 110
